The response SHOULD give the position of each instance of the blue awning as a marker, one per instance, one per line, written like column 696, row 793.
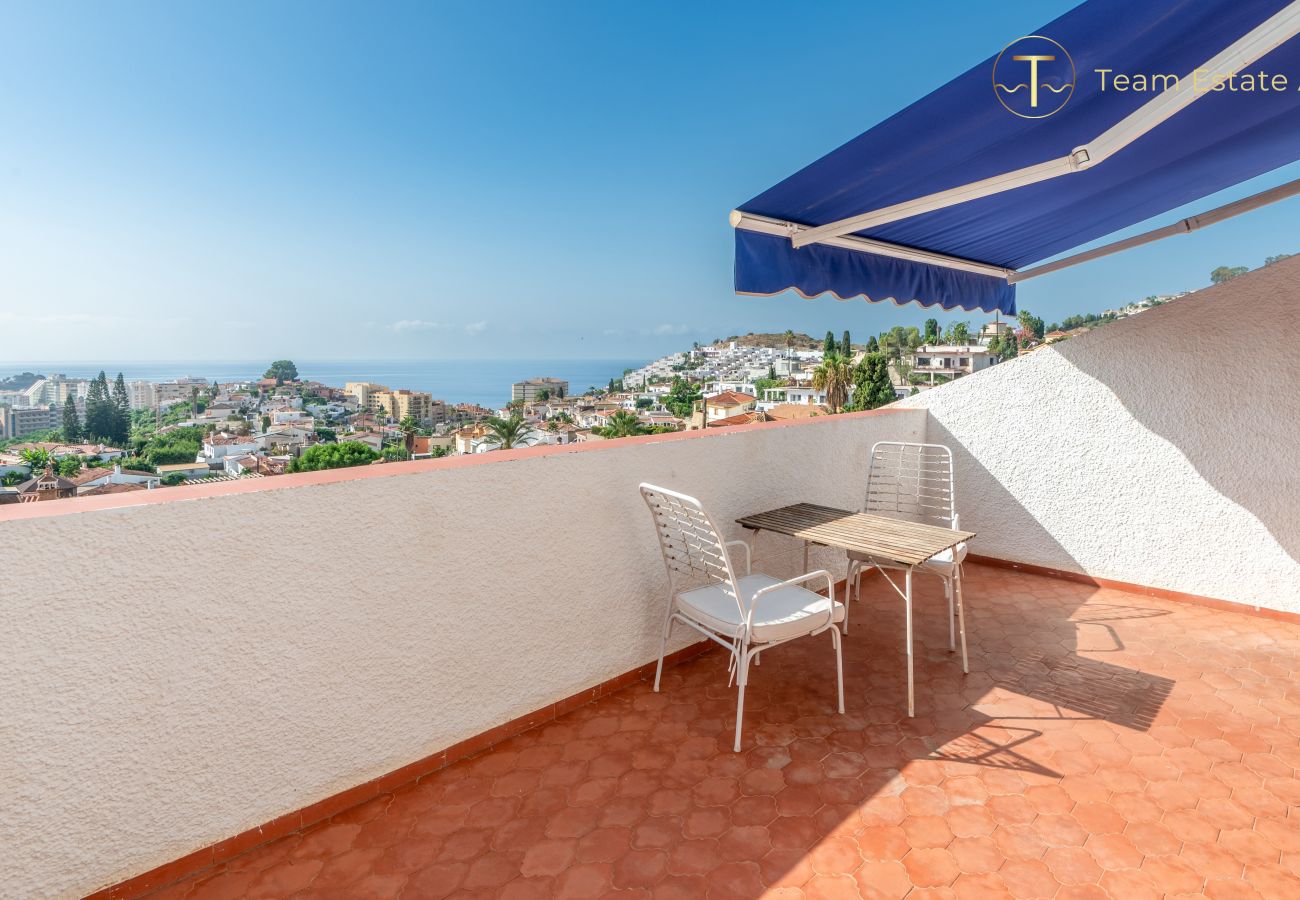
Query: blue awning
column 971, row 130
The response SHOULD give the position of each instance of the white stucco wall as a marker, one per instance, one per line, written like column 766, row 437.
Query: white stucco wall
column 1159, row 450
column 167, row 684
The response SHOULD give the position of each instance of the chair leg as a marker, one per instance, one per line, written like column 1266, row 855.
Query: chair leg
column 961, row 622
column 742, row 676
column 952, row 626
column 839, row 667
column 663, row 647
column 850, row 590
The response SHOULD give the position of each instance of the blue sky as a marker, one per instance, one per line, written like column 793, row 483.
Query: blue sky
column 319, row 180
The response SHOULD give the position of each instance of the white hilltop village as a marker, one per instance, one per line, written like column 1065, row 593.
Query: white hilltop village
column 64, row 437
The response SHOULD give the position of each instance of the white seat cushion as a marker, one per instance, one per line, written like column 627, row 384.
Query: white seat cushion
column 784, row 613
column 938, row 561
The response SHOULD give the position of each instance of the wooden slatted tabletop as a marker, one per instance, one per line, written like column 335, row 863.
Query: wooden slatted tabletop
column 909, row 543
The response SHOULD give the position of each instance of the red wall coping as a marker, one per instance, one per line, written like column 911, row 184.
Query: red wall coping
column 10, row 512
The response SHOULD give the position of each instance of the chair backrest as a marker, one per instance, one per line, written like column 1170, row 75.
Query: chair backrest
column 912, row 481
column 692, row 547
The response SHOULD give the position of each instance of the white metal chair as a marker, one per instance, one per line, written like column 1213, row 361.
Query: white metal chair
column 915, row 481
column 745, row 614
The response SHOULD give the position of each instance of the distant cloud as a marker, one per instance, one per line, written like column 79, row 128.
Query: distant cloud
column 611, row 332
column 670, row 329
column 414, row 325
column 476, row 327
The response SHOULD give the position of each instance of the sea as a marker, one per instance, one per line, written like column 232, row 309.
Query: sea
column 482, row 381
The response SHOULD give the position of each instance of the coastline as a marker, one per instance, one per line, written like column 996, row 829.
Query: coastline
column 482, row 381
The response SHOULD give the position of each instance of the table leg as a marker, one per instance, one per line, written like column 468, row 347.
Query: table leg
column 907, row 602
column 961, row 622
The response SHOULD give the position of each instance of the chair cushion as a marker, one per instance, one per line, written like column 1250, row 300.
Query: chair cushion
column 938, row 561
column 785, row 613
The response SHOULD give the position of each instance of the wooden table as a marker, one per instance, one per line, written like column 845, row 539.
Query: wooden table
column 884, row 542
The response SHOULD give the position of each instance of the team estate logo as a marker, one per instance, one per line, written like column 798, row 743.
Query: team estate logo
column 1033, row 77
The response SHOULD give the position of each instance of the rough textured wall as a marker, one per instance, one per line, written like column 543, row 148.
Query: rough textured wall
column 1159, row 450
column 178, row 672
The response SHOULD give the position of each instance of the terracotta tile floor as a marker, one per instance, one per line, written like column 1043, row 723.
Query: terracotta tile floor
column 1104, row 744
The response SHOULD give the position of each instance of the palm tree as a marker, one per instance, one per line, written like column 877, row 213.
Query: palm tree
column 409, row 427
column 789, row 340
column 835, row 377
column 509, row 433
column 622, row 424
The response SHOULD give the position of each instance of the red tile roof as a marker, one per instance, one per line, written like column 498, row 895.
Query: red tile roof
column 730, row 398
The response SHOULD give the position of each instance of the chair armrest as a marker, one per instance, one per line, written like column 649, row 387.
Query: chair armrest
column 749, row 558
column 793, row 582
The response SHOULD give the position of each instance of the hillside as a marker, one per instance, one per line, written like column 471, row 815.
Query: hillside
column 19, row 382
column 800, row 341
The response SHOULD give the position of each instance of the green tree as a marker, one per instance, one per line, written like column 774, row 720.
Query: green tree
column 835, row 377
column 682, row 397
column 395, row 453
column 1005, row 347
column 180, row 445
column 828, row 346
column 507, row 434
column 846, row 346
column 100, row 422
column 71, row 421
column 36, row 458
column 622, row 424
column 1227, row 273
column 873, row 346
column 961, row 332
column 789, row 339
column 1031, row 323
column 69, row 466
column 9, row 479
column 333, row 456
column 121, row 412
column 266, row 424
column 1269, row 260
column 931, row 331
column 872, row 387
column 282, row 370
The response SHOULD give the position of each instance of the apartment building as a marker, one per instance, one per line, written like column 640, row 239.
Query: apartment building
column 363, row 392
column 17, row 421
column 950, row 360
column 143, row 394
column 169, row 392
column 398, row 404
column 56, row 389
column 533, row 389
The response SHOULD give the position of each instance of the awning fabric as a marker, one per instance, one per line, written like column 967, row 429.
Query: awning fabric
column 961, row 133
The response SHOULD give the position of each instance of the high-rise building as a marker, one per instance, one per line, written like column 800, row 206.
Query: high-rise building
column 56, row 389
column 144, row 394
